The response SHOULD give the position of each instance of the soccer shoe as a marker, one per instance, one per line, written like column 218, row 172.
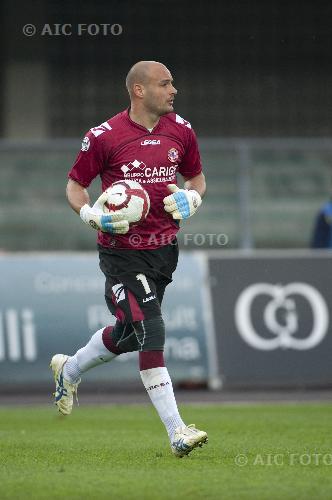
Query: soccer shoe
column 186, row 439
column 64, row 390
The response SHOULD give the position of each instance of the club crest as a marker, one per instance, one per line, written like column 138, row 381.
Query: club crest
column 173, row 155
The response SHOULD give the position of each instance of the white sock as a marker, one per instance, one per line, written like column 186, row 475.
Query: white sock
column 158, row 384
column 93, row 354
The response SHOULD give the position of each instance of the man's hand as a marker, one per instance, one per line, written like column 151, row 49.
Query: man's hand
column 182, row 203
column 108, row 223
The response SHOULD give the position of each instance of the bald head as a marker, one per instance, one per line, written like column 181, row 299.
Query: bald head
column 151, row 91
column 142, row 72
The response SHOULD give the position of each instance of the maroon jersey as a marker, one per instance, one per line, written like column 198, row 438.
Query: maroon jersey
column 121, row 149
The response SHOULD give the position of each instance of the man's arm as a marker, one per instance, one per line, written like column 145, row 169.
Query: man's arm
column 77, row 195
column 197, row 183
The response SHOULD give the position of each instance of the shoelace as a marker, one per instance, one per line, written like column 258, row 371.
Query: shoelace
column 191, row 428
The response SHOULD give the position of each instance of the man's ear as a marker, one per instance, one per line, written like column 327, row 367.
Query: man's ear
column 138, row 90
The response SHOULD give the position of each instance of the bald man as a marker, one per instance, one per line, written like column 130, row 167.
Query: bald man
column 150, row 144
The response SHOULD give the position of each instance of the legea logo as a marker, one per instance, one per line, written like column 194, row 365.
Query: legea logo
column 280, row 316
column 119, row 293
column 151, row 142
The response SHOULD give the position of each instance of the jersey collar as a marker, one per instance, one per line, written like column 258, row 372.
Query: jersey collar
column 141, row 127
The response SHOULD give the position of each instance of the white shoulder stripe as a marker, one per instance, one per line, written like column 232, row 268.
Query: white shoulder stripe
column 181, row 120
column 100, row 129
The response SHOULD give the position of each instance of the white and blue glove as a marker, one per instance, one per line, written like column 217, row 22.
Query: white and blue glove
column 182, row 203
column 108, row 223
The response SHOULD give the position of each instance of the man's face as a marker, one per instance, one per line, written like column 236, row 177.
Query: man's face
column 159, row 92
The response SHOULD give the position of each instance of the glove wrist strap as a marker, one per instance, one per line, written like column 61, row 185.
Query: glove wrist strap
column 196, row 195
column 84, row 213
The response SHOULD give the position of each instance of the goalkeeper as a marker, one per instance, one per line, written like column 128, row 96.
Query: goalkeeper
column 151, row 144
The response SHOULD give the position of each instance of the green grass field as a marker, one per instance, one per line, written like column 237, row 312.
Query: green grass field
column 122, row 452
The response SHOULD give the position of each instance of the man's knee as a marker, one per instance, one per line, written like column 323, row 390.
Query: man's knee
column 150, row 334
column 128, row 342
column 123, row 337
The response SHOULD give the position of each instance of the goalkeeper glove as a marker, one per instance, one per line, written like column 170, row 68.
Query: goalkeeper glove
column 98, row 219
column 182, row 203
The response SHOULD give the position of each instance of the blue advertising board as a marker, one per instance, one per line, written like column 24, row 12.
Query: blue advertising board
column 51, row 303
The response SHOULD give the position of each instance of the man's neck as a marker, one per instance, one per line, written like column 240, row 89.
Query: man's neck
column 147, row 120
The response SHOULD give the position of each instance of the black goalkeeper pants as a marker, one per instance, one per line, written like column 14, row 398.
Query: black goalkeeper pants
column 134, row 289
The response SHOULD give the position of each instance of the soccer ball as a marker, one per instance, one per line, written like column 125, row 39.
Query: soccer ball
column 129, row 197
